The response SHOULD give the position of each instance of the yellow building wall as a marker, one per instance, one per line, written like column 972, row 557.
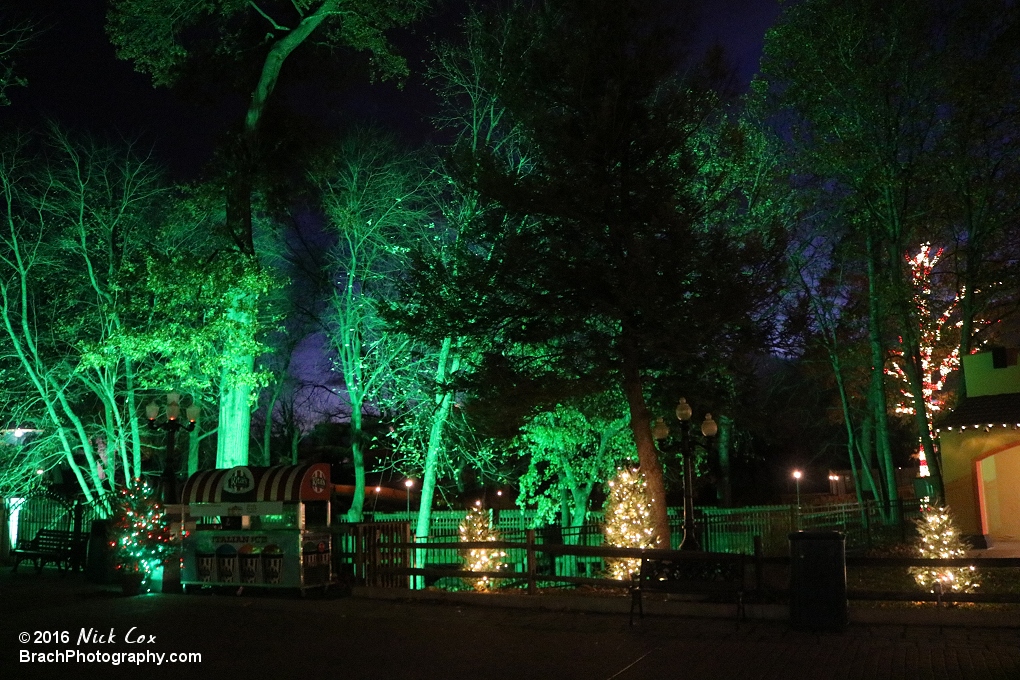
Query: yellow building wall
column 961, row 449
column 984, row 379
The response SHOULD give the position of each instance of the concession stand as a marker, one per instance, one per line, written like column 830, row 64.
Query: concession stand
column 258, row 526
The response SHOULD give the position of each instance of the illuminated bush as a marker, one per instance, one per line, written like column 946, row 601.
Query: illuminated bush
column 628, row 521
column 477, row 526
column 938, row 539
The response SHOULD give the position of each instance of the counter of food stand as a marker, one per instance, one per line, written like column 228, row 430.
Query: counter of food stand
column 259, row 527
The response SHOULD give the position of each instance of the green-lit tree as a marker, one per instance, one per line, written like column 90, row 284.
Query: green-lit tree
column 374, row 197
column 165, row 39
column 434, row 439
column 868, row 109
column 570, row 450
column 75, row 222
column 14, row 37
column 880, row 105
column 598, row 261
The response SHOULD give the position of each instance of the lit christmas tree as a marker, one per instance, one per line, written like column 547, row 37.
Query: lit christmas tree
column 628, row 521
column 938, row 539
column 141, row 535
column 938, row 358
column 477, row 526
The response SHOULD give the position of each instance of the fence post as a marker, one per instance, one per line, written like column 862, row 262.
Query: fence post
column 867, row 523
column 530, row 534
column 903, row 521
column 758, row 564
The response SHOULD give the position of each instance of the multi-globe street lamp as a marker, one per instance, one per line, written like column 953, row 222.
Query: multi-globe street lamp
column 709, row 428
column 171, row 424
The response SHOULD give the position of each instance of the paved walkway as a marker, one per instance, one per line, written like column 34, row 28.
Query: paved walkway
column 279, row 636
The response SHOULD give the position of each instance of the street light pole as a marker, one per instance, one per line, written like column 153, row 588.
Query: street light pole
column 408, row 483
column 708, row 429
column 168, row 480
column 796, row 479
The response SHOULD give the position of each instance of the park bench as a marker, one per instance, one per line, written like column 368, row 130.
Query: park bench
column 49, row 545
column 694, row 573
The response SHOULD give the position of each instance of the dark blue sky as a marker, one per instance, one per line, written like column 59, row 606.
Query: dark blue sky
column 75, row 79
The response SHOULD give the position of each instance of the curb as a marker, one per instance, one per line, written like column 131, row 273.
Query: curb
column 659, row 606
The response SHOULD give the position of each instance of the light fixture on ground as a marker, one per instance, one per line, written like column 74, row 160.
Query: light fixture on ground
column 709, row 428
column 171, row 424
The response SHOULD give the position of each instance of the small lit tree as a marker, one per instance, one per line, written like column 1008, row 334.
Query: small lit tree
column 938, row 539
column 628, row 521
column 477, row 526
column 141, row 537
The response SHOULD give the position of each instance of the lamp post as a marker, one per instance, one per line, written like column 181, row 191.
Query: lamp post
column 796, row 479
column 172, row 423
column 708, row 428
column 408, row 483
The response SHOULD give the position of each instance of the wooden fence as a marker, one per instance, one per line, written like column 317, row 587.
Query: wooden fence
column 386, row 562
column 724, row 530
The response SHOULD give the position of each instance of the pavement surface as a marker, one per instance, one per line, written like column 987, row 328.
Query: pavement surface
column 280, row 635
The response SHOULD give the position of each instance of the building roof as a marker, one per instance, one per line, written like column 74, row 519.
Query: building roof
column 996, row 409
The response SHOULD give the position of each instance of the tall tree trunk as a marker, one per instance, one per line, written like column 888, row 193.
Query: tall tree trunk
column 725, row 445
column 234, row 429
column 648, row 455
column 130, row 406
column 851, row 439
column 357, row 510
column 877, row 388
column 234, row 450
column 267, row 431
column 447, row 363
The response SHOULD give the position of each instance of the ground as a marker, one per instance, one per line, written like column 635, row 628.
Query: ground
column 337, row 636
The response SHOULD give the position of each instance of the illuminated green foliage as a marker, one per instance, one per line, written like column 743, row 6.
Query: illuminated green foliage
column 596, row 263
column 14, row 36
column 162, row 37
column 373, row 196
column 76, row 216
column 570, row 450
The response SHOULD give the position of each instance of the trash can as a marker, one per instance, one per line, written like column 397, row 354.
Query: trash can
column 818, row 580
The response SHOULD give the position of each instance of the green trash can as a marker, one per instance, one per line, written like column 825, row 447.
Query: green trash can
column 818, row 580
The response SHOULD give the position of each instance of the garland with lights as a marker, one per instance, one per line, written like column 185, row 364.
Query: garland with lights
column 141, row 537
column 477, row 526
column 938, row 539
column 628, row 521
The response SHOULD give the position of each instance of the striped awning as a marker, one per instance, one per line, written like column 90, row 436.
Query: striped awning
column 257, row 484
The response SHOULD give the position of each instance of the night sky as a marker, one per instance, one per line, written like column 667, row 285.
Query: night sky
column 75, row 80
